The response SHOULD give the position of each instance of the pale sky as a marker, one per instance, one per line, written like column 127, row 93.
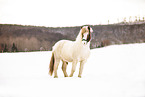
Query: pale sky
column 54, row 13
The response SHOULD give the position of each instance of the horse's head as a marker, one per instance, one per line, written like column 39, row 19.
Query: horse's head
column 86, row 34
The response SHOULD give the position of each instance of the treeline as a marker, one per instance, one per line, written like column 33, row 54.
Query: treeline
column 28, row 38
column 118, row 34
column 34, row 38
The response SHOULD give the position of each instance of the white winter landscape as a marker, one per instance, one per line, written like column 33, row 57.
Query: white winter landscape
column 113, row 71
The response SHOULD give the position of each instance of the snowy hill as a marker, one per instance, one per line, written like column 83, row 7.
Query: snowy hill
column 113, row 71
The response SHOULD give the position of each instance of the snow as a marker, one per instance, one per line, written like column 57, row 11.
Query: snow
column 113, row 71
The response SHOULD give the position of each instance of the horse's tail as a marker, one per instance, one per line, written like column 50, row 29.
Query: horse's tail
column 51, row 65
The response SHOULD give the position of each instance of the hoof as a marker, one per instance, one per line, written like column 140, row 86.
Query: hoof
column 71, row 76
column 55, row 76
column 80, row 76
column 66, row 76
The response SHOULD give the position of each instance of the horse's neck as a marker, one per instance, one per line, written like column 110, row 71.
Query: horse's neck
column 79, row 40
column 79, row 37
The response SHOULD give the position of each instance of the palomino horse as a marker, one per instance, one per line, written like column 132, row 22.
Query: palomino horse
column 71, row 51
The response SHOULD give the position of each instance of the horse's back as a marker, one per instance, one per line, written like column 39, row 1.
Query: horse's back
column 62, row 49
column 60, row 44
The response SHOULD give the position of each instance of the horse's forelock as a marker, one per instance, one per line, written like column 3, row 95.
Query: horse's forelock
column 84, row 29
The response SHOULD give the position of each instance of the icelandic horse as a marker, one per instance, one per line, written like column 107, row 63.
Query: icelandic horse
column 71, row 51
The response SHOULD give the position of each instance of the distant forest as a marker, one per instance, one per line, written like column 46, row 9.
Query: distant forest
column 14, row 38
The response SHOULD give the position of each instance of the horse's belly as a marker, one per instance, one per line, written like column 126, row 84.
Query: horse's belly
column 67, row 59
column 66, row 56
column 66, row 52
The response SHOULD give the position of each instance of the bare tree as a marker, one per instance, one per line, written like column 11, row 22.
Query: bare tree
column 136, row 18
column 108, row 21
column 143, row 19
column 130, row 19
column 139, row 18
column 124, row 20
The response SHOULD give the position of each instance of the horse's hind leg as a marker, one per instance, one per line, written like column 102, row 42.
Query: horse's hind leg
column 64, row 66
column 56, row 67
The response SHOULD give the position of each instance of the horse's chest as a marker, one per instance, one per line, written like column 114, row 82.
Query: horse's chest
column 83, row 53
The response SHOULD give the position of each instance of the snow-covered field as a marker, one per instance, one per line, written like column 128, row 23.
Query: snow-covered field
column 113, row 71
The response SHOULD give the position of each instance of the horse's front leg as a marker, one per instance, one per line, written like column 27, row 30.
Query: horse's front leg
column 81, row 68
column 74, row 63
